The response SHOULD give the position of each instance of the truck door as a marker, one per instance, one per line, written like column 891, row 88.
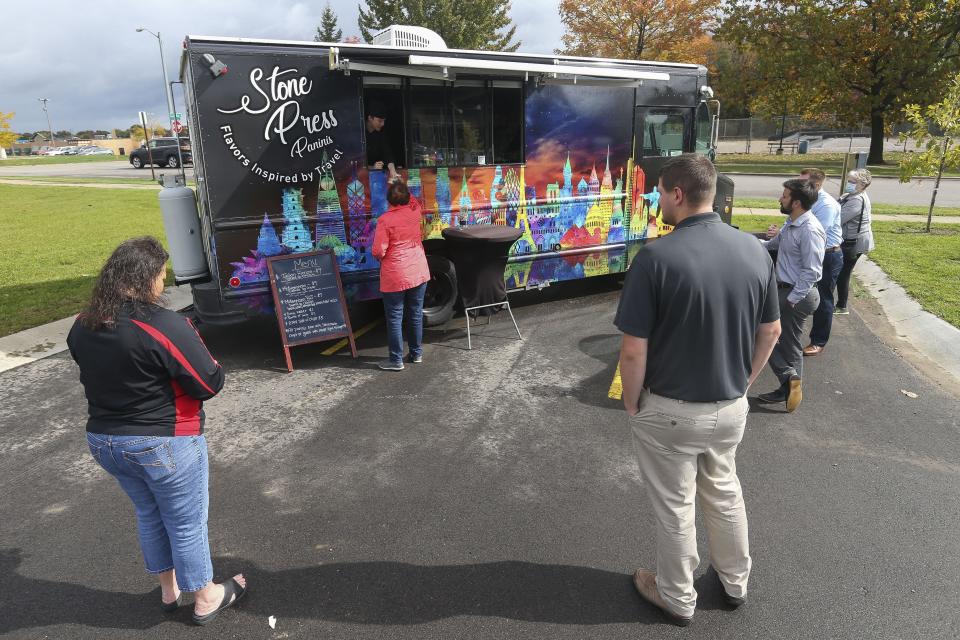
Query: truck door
column 660, row 134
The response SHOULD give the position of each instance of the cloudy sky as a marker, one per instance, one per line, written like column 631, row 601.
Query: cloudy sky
column 98, row 72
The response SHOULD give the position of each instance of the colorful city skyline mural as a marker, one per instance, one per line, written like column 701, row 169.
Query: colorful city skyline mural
column 577, row 210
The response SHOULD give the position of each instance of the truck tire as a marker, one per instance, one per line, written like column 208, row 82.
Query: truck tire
column 136, row 162
column 172, row 162
column 441, row 295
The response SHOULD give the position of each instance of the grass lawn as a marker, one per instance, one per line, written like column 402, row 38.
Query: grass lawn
column 54, row 242
column 831, row 163
column 21, row 161
column 926, row 265
column 892, row 209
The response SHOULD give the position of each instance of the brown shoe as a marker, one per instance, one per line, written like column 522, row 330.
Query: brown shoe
column 646, row 583
column 812, row 350
column 795, row 394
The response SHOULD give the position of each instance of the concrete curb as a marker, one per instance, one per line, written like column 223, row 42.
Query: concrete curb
column 50, row 339
column 831, row 175
column 878, row 217
column 936, row 339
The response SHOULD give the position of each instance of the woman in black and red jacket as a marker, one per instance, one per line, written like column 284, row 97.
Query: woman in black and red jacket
column 146, row 373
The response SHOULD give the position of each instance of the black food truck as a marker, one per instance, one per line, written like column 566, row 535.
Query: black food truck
column 565, row 149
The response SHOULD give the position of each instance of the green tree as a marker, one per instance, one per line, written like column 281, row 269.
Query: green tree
column 121, row 133
column 729, row 65
column 86, row 134
column 479, row 24
column 63, row 135
column 860, row 59
column 7, row 137
column 941, row 150
column 328, row 31
column 674, row 30
column 136, row 134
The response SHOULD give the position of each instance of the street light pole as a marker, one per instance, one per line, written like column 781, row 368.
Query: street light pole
column 166, row 83
column 53, row 138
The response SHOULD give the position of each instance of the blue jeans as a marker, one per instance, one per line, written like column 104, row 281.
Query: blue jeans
column 823, row 316
column 404, row 311
column 166, row 478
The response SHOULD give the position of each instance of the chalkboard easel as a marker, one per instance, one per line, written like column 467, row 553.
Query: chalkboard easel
column 309, row 301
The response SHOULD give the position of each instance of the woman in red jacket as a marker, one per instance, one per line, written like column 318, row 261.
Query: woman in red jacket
column 397, row 244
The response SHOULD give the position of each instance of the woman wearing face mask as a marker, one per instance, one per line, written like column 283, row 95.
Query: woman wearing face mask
column 857, row 234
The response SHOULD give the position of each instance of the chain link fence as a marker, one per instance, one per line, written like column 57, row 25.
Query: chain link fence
column 793, row 134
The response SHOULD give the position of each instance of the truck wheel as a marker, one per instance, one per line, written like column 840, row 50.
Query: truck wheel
column 136, row 162
column 441, row 295
column 172, row 162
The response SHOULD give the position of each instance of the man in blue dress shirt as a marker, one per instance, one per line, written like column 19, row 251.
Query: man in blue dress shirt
column 800, row 246
column 827, row 211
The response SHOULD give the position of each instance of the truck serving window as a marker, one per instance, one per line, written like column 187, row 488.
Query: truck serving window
column 473, row 122
column 470, row 122
column 507, row 122
column 429, row 132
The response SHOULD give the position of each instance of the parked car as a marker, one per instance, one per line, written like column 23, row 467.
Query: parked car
column 163, row 151
column 95, row 151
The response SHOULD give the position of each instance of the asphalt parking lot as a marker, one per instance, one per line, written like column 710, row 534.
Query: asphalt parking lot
column 489, row 494
column 106, row 169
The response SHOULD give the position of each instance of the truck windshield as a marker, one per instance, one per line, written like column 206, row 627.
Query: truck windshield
column 704, row 129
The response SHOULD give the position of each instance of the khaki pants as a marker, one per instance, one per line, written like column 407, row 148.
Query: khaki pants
column 685, row 450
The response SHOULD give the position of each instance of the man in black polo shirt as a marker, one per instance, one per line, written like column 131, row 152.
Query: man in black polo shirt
column 700, row 315
column 379, row 153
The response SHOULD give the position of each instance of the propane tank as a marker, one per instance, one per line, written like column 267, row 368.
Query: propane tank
column 178, row 205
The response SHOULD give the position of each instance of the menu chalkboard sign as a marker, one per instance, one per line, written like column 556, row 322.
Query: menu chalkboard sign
column 308, row 298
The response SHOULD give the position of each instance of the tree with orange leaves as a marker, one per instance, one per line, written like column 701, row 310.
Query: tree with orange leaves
column 676, row 30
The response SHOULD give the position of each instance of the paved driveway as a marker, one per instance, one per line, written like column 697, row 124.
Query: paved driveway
column 489, row 494
column 109, row 169
column 885, row 190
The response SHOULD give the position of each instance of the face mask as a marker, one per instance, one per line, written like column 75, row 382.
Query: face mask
column 851, row 187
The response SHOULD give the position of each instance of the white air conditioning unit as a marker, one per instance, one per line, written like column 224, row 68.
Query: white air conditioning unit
column 408, row 37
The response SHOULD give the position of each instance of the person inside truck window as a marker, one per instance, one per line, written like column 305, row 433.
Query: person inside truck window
column 146, row 372
column 379, row 154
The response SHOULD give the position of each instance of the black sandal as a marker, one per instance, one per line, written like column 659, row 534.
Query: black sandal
column 230, row 588
column 170, row 607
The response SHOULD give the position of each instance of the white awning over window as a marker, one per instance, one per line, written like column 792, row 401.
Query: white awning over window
column 572, row 71
column 446, row 68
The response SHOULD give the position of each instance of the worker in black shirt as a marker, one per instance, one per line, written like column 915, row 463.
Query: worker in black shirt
column 379, row 153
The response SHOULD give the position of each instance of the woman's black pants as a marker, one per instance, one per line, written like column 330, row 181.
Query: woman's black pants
column 843, row 280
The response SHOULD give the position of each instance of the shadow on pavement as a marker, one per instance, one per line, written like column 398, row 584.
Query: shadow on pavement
column 373, row 593
column 395, row 593
column 593, row 390
column 31, row 602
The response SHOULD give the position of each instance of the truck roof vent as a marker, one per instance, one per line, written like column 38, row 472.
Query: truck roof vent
column 409, row 37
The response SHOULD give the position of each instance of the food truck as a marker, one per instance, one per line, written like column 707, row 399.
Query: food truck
column 565, row 149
